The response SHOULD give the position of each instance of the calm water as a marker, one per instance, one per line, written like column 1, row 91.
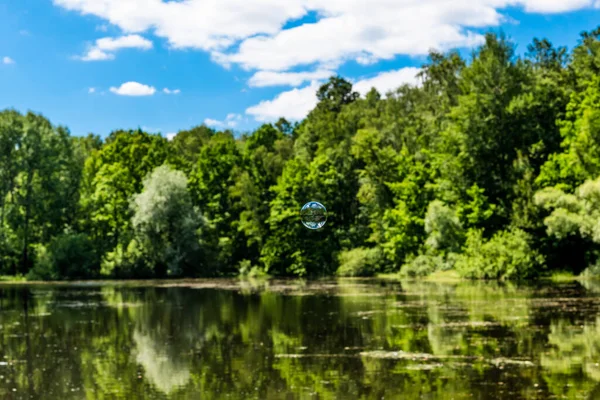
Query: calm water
column 296, row 340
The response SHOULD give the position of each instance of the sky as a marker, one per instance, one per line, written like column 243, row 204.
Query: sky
column 100, row 65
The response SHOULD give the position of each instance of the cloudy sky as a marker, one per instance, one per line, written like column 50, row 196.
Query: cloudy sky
column 99, row 65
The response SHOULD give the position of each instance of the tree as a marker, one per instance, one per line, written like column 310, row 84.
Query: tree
column 11, row 127
column 186, row 146
column 111, row 176
column 209, row 184
column 264, row 154
column 167, row 225
column 335, row 94
column 36, row 195
column 580, row 131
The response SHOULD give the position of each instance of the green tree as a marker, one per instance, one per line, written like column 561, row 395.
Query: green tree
column 167, row 225
column 186, row 145
column 111, row 176
column 209, row 183
column 37, row 174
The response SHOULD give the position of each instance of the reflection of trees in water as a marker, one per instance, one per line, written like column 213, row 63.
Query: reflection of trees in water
column 574, row 355
column 118, row 342
column 574, row 349
column 164, row 371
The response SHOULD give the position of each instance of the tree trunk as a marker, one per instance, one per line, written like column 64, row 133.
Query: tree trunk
column 6, row 188
column 25, row 266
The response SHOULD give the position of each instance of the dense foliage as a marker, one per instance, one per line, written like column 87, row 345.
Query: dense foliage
column 490, row 167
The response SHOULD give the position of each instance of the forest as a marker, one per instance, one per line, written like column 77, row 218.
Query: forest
column 490, row 167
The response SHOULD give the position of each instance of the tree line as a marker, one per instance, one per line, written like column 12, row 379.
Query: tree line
column 489, row 167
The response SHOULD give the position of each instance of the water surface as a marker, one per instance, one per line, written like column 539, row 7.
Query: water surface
column 349, row 339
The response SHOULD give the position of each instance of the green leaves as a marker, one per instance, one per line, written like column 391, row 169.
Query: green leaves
column 577, row 214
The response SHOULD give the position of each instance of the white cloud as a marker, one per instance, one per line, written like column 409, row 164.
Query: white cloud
column 212, row 122
column 7, row 60
column 97, row 55
column 171, row 135
column 251, row 33
column 295, row 104
column 274, row 78
column 292, row 105
column 92, row 90
column 388, row 81
column 201, row 24
column 231, row 121
column 558, row 6
column 105, row 48
column 133, row 89
column 169, row 91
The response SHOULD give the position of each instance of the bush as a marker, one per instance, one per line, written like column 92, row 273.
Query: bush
column 507, row 255
column 126, row 262
column 68, row 256
column 359, row 262
column 246, row 269
column 43, row 269
column 444, row 230
column 9, row 251
column 422, row 265
column 426, row 264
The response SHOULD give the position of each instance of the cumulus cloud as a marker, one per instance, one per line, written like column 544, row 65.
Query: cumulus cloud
column 91, row 90
column 169, row 91
column 558, row 6
column 104, row 48
column 388, row 81
column 213, row 122
column 295, row 104
column 231, row 121
column 7, row 60
column 251, row 32
column 133, row 89
column 275, row 78
column 171, row 135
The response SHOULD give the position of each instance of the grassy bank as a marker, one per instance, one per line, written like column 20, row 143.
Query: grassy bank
column 12, row 278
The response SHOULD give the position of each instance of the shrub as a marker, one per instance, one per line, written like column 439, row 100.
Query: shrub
column 507, row 255
column 9, row 251
column 43, row 269
column 68, row 256
column 422, row 265
column 359, row 262
column 426, row 264
column 126, row 262
column 444, row 230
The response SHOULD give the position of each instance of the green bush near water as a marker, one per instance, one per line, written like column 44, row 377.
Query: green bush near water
column 508, row 255
column 359, row 262
column 68, row 256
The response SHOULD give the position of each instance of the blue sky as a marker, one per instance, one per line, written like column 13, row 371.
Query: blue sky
column 100, row 65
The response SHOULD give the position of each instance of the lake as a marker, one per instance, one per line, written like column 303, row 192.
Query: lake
column 330, row 339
